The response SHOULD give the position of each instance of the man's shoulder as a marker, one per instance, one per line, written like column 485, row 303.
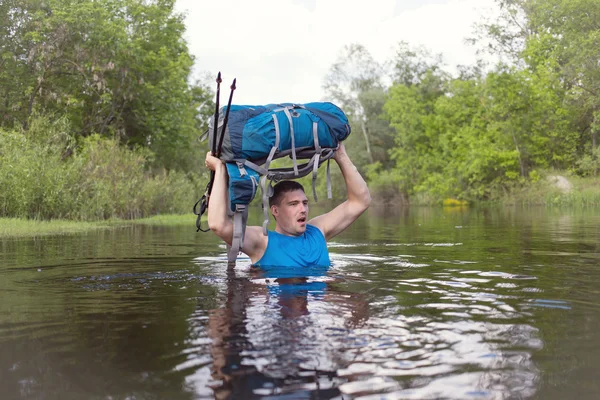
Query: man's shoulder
column 315, row 226
column 316, row 231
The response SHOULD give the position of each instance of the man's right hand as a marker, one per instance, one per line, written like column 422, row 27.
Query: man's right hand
column 212, row 162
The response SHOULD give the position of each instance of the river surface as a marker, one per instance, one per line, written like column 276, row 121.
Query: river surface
column 420, row 303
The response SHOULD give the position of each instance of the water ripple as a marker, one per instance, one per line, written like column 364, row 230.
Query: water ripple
column 439, row 316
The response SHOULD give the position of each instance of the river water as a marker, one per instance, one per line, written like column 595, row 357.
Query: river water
column 420, row 303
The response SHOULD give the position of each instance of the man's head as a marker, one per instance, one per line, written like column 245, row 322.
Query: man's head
column 289, row 207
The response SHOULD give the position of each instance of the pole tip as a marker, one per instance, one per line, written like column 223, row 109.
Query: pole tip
column 233, row 84
column 219, row 80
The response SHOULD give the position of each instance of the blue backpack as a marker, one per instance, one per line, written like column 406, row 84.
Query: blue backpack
column 254, row 136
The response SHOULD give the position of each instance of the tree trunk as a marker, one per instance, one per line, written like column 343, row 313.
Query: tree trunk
column 594, row 144
column 367, row 144
column 594, row 129
column 523, row 172
column 30, row 106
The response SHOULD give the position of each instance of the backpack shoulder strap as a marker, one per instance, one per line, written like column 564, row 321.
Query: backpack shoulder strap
column 240, row 219
column 243, row 184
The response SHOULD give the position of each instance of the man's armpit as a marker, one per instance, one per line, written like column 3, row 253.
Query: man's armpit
column 254, row 240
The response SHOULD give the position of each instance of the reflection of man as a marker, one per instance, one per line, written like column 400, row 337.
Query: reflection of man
column 292, row 295
column 273, row 322
column 296, row 240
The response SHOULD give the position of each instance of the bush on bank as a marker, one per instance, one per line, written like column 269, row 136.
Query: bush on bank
column 46, row 174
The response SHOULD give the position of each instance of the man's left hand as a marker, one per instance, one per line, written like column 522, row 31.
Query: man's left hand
column 340, row 152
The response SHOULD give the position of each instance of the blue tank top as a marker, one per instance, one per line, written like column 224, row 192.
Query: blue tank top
column 306, row 250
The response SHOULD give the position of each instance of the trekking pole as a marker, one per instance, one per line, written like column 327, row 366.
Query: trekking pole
column 232, row 87
column 213, row 150
column 203, row 202
column 216, row 119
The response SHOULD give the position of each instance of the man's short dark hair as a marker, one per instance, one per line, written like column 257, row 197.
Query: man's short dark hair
column 283, row 187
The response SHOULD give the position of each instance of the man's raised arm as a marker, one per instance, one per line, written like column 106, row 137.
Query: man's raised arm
column 359, row 198
column 218, row 220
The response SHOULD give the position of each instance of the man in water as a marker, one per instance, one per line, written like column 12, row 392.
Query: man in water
column 296, row 241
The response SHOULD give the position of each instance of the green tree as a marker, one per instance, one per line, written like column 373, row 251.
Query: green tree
column 419, row 81
column 562, row 35
column 113, row 67
column 465, row 137
column 575, row 32
column 355, row 83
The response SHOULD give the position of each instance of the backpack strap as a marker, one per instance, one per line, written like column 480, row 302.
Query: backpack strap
column 255, row 167
column 318, row 154
column 315, row 169
column 303, row 170
column 316, row 136
column 200, row 208
column 240, row 219
column 243, row 183
column 329, row 192
column 276, row 145
column 267, row 192
column 286, row 110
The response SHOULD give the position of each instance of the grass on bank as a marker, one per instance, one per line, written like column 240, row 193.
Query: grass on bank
column 19, row 227
column 584, row 191
column 552, row 188
column 167, row 220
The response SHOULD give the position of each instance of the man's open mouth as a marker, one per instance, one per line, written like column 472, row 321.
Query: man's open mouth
column 302, row 219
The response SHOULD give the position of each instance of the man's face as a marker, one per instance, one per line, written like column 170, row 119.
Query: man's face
column 291, row 214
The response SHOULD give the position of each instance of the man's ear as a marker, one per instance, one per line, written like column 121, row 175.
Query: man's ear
column 274, row 211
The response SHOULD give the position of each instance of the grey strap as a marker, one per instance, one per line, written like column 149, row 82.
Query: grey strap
column 316, row 136
column 240, row 166
column 240, row 218
column 280, row 174
column 289, row 116
column 256, row 167
column 329, row 194
column 230, row 264
column 266, row 193
column 314, row 177
column 276, row 146
column 318, row 153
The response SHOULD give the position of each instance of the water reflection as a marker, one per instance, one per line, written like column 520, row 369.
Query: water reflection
column 426, row 304
column 334, row 334
column 273, row 335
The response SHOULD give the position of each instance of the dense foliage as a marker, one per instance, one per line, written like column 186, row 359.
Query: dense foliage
column 485, row 130
column 113, row 74
column 112, row 67
column 101, row 179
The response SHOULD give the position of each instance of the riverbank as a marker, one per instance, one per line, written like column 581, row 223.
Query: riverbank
column 554, row 190
column 19, row 228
